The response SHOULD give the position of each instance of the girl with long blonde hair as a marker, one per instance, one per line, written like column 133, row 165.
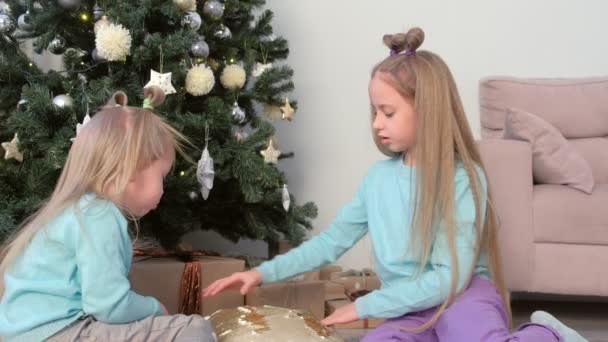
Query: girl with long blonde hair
column 65, row 270
column 428, row 212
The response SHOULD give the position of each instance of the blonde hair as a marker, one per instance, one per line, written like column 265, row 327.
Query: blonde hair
column 442, row 136
column 117, row 142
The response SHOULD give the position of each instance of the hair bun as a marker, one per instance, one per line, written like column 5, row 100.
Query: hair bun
column 404, row 41
column 155, row 94
column 118, row 98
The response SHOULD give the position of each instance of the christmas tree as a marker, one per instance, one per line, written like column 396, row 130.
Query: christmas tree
column 219, row 64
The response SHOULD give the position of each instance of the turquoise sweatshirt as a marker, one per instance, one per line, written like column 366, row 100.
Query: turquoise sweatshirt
column 382, row 207
column 76, row 266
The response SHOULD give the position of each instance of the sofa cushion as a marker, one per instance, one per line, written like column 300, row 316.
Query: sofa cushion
column 595, row 152
column 554, row 161
column 564, row 215
column 577, row 107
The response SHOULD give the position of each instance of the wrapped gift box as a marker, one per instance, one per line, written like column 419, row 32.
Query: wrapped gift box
column 269, row 324
column 334, row 291
column 343, row 288
column 301, row 295
column 326, row 272
column 356, row 280
column 161, row 278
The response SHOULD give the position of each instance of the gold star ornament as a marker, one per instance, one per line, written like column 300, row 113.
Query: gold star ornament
column 163, row 81
column 11, row 149
column 287, row 111
column 271, row 154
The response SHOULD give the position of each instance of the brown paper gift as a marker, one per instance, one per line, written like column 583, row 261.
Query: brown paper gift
column 357, row 280
column 326, row 272
column 162, row 278
column 334, row 290
column 308, row 276
column 301, row 295
column 367, row 323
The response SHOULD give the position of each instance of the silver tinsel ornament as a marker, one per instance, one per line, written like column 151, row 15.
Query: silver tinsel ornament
column 285, row 197
column 200, row 49
column 205, row 173
column 98, row 12
column 214, row 9
column 57, row 45
column 269, row 38
column 259, row 68
column 24, row 22
column 223, row 32
column 63, row 101
column 7, row 24
column 69, row 4
column 238, row 114
column 193, row 20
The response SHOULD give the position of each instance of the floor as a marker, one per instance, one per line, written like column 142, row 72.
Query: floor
column 589, row 318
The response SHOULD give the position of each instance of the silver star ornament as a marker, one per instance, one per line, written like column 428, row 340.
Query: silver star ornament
column 11, row 149
column 271, row 154
column 163, row 81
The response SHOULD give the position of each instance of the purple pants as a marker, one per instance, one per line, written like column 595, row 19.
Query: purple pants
column 477, row 315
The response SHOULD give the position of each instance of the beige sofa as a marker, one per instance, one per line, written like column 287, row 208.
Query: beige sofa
column 554, row 239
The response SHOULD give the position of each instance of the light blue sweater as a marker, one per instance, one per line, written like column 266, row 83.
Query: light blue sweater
column 76, row 266
column 382, row 207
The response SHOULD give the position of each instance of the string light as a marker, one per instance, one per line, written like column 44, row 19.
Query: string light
column 84, row 17
column 182, row 173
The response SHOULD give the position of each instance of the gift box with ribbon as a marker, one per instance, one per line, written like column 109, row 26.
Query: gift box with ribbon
column 345, row 287
column 355, row 280
column 177, row 280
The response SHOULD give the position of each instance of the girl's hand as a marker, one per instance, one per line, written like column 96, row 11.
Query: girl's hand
column 164, row 309
column 240, row 280
column 345, row 314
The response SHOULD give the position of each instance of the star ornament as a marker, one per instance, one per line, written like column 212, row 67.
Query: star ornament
column 287, row 111
column 163, row 81
column 271, row 154
column 12, row 149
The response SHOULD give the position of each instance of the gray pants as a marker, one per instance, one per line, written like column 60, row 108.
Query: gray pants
column 176, row 328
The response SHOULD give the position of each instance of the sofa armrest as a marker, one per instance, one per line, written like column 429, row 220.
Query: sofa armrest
column 508, row 165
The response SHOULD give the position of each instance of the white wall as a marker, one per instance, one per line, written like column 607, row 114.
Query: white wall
column 335, row 43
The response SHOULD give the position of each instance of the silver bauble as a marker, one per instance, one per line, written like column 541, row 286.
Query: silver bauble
column 193, row 195
column 63, row 101
column 200, row 49
column 7, row 24
column 69, row 4
column 214, row 9
column 96, row 57
column 223, row 32
column 24, row 22
column 238, row 114
column 98, row 12
column 192, row 20
column 57, row 45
